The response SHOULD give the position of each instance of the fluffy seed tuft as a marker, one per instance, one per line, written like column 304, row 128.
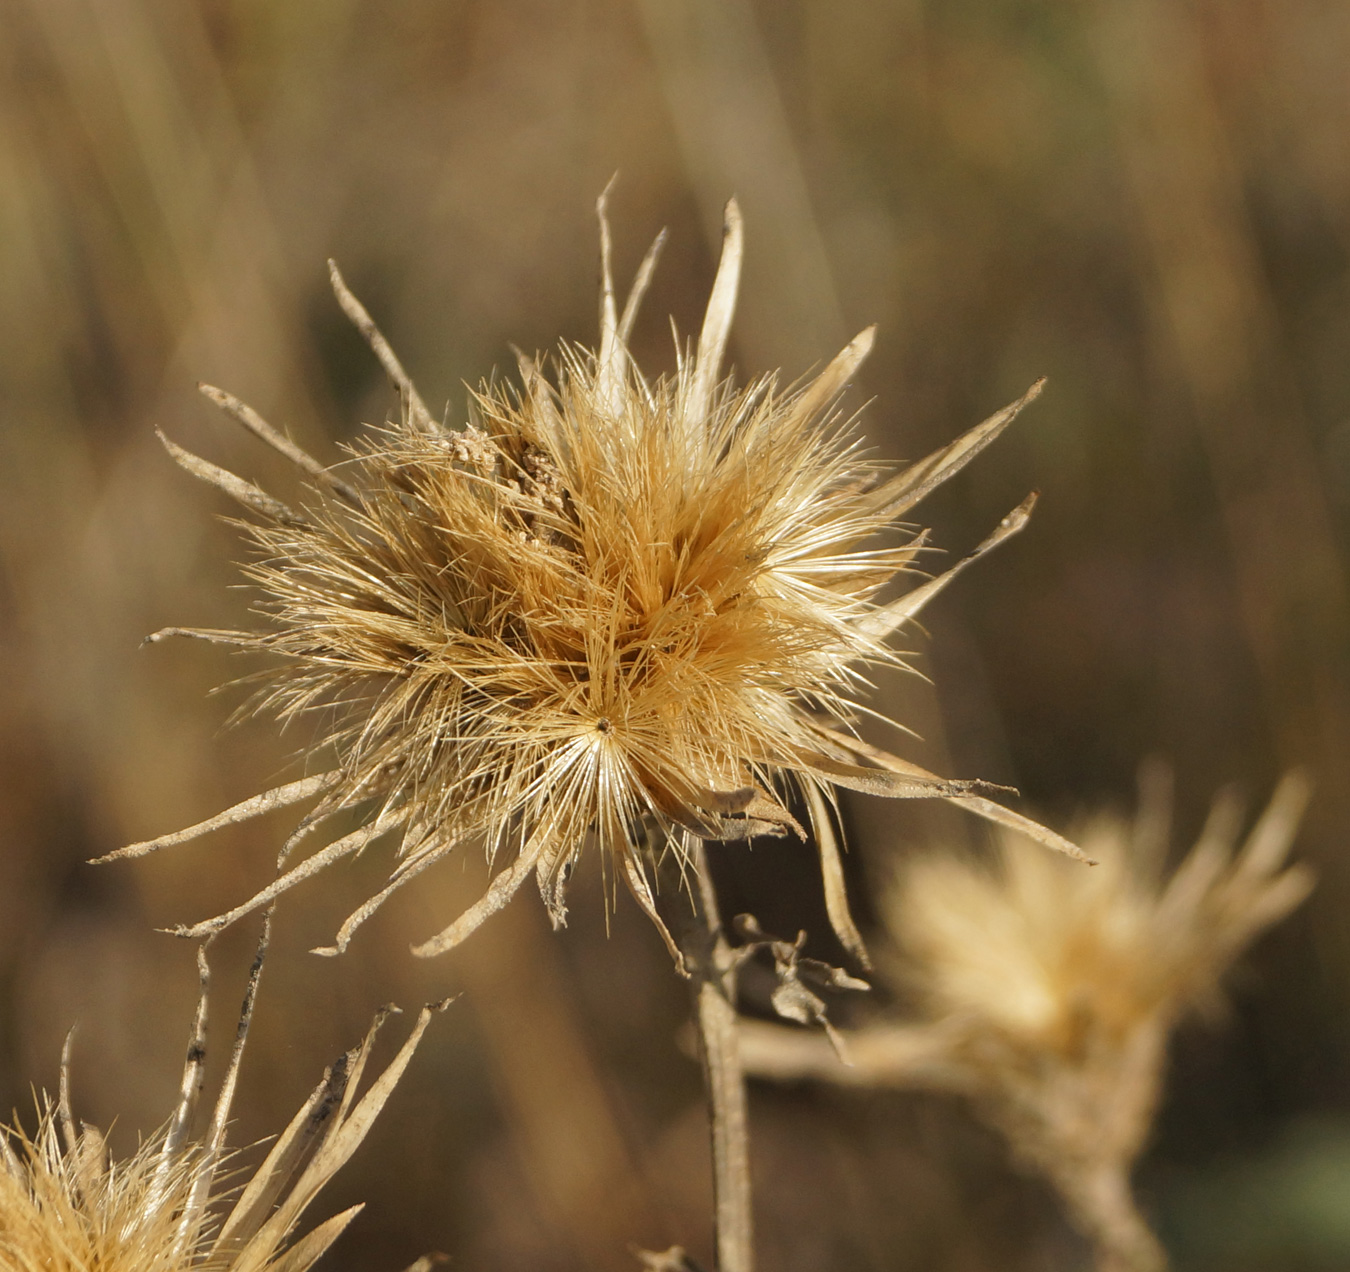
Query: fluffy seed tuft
column 609, row 609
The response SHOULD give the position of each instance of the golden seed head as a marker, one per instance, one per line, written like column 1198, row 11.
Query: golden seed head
column 71, row 1211
column 1058, row 985
column 609, row 608
column 67, row 1206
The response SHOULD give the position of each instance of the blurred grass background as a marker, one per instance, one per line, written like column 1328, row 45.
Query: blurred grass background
column 1146, row 200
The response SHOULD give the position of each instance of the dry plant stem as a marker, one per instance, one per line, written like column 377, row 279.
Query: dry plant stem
column 708, row 961
column 725, row 1080
column 1104, row 1208
column 882, row 1056
column 730, row 1127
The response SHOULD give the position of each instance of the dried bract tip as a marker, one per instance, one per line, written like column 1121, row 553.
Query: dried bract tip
column 608, row 609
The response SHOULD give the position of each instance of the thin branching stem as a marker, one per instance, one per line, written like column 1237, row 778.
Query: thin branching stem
column 730, row 1127
column 1104, row 1206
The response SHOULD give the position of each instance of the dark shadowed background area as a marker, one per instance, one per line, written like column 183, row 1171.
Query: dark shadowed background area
column 1146, row 200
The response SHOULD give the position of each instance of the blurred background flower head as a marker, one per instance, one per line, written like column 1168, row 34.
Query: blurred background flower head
column 1047, row 960
column 1046, row 990
column 1054, row 989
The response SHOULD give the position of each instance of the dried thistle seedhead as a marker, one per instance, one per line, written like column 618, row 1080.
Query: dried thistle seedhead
column 63, row 1209
column 1046, row 991
column 1056, row 987
column 65, row 1206
column 1054, row 970
column 611, row 609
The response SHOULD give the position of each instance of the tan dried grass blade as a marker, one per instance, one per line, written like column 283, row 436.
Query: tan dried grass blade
column 190, row 1223
column 1023, row 825
column 256, row 806
column 270, row 1178
column 357, row 1058
column 312, row 820
column 243, row 492
column 831, row 382
column 416, row 409
column 712, row 341
column 610, row 370
column 832, row 877
column 336, row 1149
column 224, row 1101
column 260, row 428
column 322, row 1113
column 215, row 635
column 368, row 908
column 69, row 1135
column 891, row 783
column 906, row 489
column 642, row 894
column 641, row 281
column 194, row 1073
column 880, row 623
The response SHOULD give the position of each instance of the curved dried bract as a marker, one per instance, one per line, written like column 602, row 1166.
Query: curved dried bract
column 66, row 1207
column 261, row 429
column 608, row 609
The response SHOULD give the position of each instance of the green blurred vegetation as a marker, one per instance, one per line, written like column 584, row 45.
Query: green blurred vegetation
column 1147, row 200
